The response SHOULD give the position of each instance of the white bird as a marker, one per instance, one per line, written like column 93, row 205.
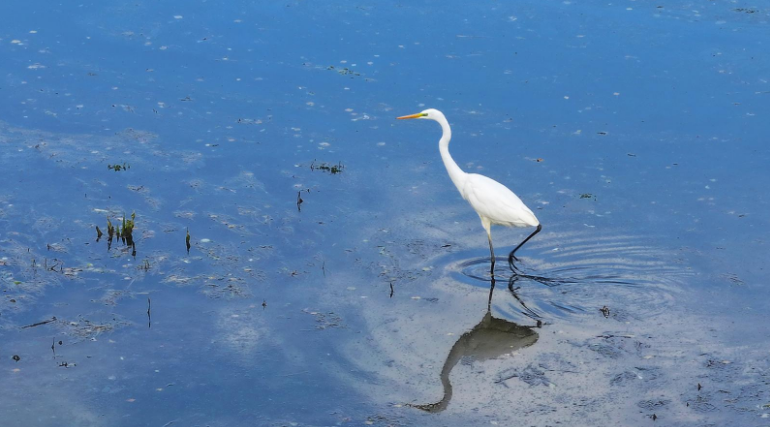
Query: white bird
column 494, row 202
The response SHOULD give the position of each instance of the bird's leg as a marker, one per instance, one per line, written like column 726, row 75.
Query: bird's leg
column 492, row 254
column 512, row 255
column 491, row 290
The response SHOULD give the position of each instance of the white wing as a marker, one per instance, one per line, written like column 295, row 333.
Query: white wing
column 496, row 202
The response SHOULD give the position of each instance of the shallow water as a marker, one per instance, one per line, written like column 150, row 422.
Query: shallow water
column 636, row 133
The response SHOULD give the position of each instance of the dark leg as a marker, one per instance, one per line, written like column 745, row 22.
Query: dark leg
column 512, row 255
column 492, row 254
column 491, row 290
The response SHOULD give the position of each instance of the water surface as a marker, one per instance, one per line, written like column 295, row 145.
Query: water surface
column 635, row 131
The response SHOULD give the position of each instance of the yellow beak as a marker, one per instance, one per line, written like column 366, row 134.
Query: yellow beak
column 411, row 116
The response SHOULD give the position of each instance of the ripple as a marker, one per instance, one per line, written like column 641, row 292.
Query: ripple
column 568, row 275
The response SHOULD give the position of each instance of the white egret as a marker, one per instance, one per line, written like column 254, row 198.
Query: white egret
column 494, row 202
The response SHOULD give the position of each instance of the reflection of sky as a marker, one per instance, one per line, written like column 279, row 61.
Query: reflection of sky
column 657, row 111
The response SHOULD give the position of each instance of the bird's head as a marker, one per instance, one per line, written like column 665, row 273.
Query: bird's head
column 430, row 113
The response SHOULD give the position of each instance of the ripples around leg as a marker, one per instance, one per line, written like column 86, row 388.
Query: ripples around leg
column 569, row 275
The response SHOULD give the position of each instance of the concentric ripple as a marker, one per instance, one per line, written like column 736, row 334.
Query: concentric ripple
column 564, row 275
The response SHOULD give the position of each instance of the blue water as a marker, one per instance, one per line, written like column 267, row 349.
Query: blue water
column 636, row 131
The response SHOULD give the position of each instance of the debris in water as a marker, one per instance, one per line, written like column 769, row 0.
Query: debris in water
column 118, row 168
column 187, row 240
column 299, row 201
column 325, row 167
column 44, row 322
column 16, row 357
column 98, row 233
column 605, row 311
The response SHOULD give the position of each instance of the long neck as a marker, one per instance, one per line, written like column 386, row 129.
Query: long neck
column 455, row 173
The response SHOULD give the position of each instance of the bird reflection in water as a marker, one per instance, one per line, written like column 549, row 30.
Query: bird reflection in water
column 489, row 339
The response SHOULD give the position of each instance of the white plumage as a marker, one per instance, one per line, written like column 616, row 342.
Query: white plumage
column 494, row 202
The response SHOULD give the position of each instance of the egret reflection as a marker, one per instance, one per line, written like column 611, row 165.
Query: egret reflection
column 491, row 338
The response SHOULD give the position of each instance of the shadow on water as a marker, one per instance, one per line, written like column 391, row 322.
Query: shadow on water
column 491, row 338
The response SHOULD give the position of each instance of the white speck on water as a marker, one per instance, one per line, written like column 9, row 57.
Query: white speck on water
column 205, row 240
column 380, row 144
column 416, row 297
column 33, row 31
column 351, row 288
column 512, row 18
column 616, row 93
column 324, row 144
column 178, row 16
column 15, row 41
column 566, row 97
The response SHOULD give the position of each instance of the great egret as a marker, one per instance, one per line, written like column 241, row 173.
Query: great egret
column 494, row 202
